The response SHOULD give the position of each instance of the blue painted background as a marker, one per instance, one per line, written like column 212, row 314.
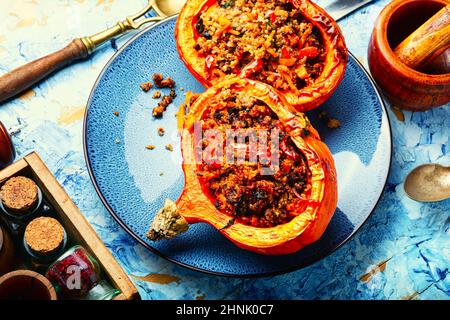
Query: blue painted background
column 402, row 252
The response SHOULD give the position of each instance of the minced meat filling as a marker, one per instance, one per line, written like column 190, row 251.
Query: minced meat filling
column 265, row 40
column 241, row 190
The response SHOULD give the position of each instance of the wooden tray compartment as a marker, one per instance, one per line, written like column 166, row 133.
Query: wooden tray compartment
column 77, row 227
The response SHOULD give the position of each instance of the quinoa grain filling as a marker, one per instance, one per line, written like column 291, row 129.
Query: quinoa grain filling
column 241, row 190
column 266, row 40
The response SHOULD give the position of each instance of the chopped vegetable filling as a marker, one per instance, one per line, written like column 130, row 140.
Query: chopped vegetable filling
column 241, row 190
column 270, row 41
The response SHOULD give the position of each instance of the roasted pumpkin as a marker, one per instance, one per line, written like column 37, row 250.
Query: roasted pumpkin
column 293, row 45
column 273, row 212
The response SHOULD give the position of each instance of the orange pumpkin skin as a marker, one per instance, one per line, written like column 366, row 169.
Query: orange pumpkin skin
column 304, row 99
column 287, row 238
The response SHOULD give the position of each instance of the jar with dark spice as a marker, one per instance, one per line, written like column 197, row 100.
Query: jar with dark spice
column 21, row 199
column 44, row 241
column 75, row 273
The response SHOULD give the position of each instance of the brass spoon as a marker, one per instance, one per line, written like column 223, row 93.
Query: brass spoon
column 428, row 183
column 26, row 76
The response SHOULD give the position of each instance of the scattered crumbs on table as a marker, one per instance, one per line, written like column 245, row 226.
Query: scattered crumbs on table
column 398, row 113
column 161, row 174
column 116, row 113
column 181, row 89
column 169, row 147
column 172, row 93
column 146, row 86
column 161, row 131
column 156, row 95
column 117, row 141
column 150, row 147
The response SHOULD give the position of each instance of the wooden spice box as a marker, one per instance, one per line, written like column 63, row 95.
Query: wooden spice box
column 77, row 227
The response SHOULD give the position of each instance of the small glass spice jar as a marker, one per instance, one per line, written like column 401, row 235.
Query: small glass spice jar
column 20, row 201
column 44, row 241
column 75, row 273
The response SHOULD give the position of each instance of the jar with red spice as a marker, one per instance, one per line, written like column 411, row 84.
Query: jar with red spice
column 75, row 273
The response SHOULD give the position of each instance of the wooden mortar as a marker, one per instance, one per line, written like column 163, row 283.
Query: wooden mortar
column 26, row 285
column 404, row 42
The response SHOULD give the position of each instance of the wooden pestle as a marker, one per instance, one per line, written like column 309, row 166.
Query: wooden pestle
column 27, row 75
column 427, row 42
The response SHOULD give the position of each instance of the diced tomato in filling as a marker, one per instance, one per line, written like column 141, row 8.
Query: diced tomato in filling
column 242, row 190
column 238, row 34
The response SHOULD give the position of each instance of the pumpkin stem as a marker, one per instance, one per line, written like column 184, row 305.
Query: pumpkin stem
column 167, row 223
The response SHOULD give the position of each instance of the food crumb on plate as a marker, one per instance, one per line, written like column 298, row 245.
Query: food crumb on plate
column 146, row 86
column 150, row 147
column 322, row 115
column 333, row 123
column 166, row 100
column 158, row 111
column 116, row 113
column 161, row 131
column 160, row 82
column 162, row 106
column 156, row 95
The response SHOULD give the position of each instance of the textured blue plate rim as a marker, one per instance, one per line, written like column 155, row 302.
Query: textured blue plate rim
column 190, row 267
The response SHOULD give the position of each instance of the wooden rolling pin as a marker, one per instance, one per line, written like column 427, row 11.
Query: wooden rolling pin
column 426, row 43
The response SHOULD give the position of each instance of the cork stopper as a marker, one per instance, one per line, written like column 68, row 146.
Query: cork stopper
column 44, row 235
column 19, row 194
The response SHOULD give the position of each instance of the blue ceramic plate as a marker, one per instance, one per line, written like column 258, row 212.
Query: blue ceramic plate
column 133, row 181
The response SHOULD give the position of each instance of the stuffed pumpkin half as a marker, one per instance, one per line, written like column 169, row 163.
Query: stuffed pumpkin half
column 255, row 169
column 293, row 45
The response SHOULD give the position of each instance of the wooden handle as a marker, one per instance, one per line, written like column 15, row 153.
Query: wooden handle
column 26, row 76
column 427, row 42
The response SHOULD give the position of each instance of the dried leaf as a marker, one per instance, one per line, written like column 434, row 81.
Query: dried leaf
column 158, row 278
